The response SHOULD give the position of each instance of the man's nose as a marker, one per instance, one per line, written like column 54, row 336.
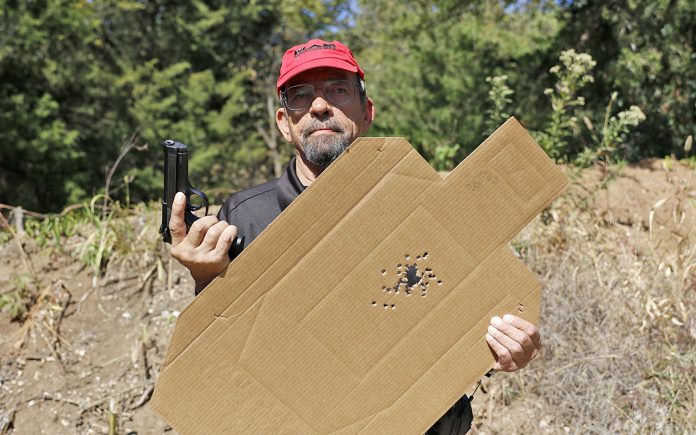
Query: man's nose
column 320, row 107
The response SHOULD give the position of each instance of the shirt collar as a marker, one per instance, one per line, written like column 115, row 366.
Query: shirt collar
column 289, row 186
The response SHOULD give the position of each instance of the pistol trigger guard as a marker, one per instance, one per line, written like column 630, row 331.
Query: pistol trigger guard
column 203, row 196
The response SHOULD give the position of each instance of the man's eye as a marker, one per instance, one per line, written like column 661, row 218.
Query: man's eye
column 299, row 96
column 338, row 89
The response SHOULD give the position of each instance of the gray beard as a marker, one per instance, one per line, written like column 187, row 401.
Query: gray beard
column 322, row 150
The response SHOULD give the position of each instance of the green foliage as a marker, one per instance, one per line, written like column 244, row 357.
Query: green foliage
column 609, row 145
column 499, row 97
column 98, row 246
column 443, row 160
column 53, row 230
column 17, row 301
column 571, row 77
column 426, row 64
column 645, row 51
column 119, row 235
column 51, row 90
column 78, row 78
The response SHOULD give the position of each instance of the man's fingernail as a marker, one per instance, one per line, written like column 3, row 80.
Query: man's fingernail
column 179, row 198
column 496, row 321
column 507, row 317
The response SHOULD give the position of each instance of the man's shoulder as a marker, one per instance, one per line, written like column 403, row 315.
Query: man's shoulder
column 260, row 193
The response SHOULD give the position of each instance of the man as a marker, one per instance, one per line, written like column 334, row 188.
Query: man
column 324, row 107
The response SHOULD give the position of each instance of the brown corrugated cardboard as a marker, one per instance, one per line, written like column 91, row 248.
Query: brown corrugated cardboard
column 363, row 307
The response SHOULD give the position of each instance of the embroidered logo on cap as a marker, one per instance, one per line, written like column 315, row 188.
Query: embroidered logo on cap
column 314, row 47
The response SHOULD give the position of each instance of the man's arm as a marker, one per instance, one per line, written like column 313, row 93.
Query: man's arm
column 204, row 249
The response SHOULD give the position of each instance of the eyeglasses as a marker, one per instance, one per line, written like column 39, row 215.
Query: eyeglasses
column 337, row 92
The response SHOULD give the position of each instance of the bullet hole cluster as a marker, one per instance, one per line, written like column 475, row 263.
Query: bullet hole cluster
column 411, row 277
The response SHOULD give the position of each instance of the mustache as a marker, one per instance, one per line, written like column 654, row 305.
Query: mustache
column 321, row 125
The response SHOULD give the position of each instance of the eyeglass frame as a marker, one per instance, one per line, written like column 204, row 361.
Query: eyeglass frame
column 360, row 83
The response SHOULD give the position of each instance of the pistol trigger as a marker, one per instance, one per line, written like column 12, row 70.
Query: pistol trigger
column 202, row 196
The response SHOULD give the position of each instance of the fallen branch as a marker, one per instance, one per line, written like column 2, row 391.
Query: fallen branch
column 116, row 279
column 145, row 280
column 48, row 396
column 144, row 398
column 43, row 216
column 84, row 298
column 97, row 402
column 61, row 315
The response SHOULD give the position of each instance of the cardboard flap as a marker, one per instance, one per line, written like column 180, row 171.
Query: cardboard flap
column 363, row 306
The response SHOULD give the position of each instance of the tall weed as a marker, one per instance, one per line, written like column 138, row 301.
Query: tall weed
column 572, row 75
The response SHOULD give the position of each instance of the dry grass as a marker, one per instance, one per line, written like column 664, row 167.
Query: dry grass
column 619, row 325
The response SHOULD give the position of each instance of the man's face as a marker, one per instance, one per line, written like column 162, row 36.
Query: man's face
column 323, row 130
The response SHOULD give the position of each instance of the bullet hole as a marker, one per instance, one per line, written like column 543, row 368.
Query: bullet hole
column 520, row 308
column 374, row 303
column 412, row 277
column 386, row 306
column 384, row 271
column 393, row 306
column 408, row 257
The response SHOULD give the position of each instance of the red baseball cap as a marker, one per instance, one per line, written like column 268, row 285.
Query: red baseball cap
column 316, row 53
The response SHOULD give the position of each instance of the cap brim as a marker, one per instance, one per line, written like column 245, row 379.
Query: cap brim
column 324, row 62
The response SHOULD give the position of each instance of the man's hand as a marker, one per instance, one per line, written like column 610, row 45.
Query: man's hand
column 204, row 249
column 513, row 341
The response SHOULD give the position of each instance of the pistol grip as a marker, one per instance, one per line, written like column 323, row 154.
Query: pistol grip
column 189, row 218
column 236, row 248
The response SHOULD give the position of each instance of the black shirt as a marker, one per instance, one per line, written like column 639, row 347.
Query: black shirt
column 253, row 209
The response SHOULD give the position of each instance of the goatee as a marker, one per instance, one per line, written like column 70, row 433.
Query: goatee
column 322, row 149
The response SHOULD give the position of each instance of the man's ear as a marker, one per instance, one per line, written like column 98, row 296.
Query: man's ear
column 282, row 121
column 369, row 113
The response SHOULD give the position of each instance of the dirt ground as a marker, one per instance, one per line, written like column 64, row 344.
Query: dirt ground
column 89, row 358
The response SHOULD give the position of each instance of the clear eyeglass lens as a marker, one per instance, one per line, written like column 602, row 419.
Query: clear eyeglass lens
column 337, row 92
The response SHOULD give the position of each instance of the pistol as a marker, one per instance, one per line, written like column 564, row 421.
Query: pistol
column 176, row 180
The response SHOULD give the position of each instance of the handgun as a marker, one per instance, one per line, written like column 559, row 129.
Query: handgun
column 176, row 180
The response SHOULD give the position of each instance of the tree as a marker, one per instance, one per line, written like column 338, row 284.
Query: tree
column 52, row 103
column 427, row 64
column 645, row 51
